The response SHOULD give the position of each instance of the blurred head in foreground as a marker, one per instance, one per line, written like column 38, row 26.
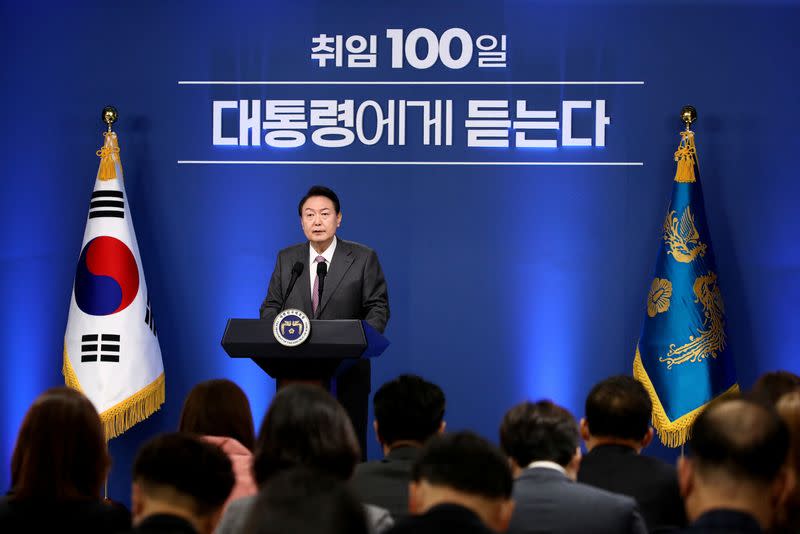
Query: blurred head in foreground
column 181, row 475
column 737, row 460
column 304, row 501
column 463, row 469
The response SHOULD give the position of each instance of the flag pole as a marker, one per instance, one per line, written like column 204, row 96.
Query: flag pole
column 688, row 116
column 109, row 116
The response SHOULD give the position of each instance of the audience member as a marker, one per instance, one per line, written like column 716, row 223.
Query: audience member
column 541, row 440
column 788, row 517
column 180, row 484
column 304, row 427
column 773, row 385
column 616, row 429
column 408, row 411
column 734, row 478
column 303, row 501
column 219, row 412
column 58, row 467
column 461, row 484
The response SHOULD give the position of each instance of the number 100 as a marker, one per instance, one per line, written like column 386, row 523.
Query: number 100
column 438, row 48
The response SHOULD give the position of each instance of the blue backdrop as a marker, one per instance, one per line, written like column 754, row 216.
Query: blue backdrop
column 506, row 282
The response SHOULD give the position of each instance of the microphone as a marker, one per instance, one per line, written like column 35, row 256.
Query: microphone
column 297, row 270
column 322, row 272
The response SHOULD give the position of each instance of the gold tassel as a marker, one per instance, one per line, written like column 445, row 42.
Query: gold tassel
column 109, row 158
column 134, row 409
column 671, row 433
column 686, row 156
column 70, row 378
column 127, row 413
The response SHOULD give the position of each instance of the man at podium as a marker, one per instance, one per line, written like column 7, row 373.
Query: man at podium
column 334, row 279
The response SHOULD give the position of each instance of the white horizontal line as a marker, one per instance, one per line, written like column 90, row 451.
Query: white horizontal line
column 507, row 163
column 230, row 82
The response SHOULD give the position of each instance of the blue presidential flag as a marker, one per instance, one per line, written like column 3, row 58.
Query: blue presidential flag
column 683, row 356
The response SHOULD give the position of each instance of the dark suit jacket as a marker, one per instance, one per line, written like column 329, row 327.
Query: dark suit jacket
column 384, row 482
column 653, row 483
column 442, row 519
column 84, row 516
column 547, row 501
column 354, row 287
column 164, row 524
column 724, row 522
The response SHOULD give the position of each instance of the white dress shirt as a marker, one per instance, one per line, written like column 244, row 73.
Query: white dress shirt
column 312, row 256
column 547, row 465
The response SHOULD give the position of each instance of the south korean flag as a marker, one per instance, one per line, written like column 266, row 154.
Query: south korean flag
column 111, row 350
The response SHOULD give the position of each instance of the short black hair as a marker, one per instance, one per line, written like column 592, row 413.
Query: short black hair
column 465, row 462
column 305, row 426
column 619, row 407
column 189, row 466
column 319, row 191
column 283, row 506
column 537, row 431
column 408, row 408
column 773, row 385
column 745, row 439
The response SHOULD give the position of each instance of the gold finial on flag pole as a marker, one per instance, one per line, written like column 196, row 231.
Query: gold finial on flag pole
column 686, row 155
column 688, row 115
column 109, row 153
column 110, row 116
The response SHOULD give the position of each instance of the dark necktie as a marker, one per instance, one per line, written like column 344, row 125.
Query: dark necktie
column 315, row 291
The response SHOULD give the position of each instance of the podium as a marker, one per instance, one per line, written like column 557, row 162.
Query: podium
column 331, row 348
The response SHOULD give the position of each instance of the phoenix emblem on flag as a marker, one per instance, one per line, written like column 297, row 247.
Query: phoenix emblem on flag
column 682, row 237
column 711, row 338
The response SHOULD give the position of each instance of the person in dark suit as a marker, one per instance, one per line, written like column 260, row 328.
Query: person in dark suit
column 735, row 475
column 408, row 411
column 58, row 466
column 180, row 484
column 461, row 484
column 541, row 440
column 354, row 288
column 616, row 429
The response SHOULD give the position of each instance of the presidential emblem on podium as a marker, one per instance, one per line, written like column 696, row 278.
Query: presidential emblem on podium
column 291, row 327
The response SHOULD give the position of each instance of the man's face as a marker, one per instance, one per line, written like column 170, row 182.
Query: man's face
column 320, row 221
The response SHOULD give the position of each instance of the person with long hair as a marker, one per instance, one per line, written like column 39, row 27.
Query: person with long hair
column 788, row 517
column 218, row 411
column 304, row 427
column 58, row 466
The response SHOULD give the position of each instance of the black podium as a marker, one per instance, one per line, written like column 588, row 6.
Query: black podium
column 331, row 348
